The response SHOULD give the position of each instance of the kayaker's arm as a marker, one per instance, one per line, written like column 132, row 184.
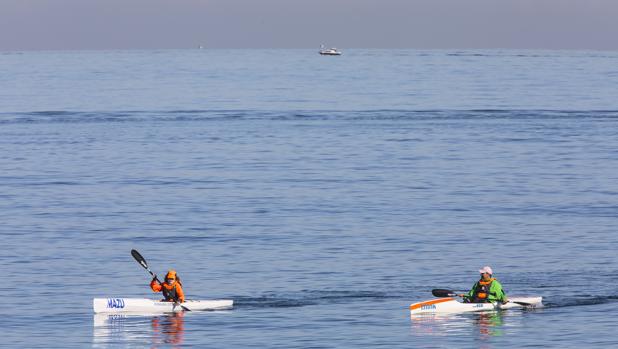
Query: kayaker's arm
column 502, row 297
column 498, row 292
column 180, row 293
column 470, row 294
column 155, row 285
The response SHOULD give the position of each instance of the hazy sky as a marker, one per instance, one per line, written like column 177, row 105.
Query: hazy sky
column 127, row 24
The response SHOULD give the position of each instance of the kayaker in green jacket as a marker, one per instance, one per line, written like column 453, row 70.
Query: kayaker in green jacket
column 487, row 289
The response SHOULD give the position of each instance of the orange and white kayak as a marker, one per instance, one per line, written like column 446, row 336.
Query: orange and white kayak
column 455, row 305
column 144, row 305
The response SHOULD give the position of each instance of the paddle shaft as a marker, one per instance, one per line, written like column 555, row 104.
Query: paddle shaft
column 153, row 275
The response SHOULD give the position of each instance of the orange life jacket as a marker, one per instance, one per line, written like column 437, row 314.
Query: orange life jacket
column 171, row 293
column 481, row 292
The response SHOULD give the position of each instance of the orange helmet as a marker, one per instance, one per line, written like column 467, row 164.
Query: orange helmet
column 171, row 274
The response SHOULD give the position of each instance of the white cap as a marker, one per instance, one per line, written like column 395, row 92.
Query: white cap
column 486, row 269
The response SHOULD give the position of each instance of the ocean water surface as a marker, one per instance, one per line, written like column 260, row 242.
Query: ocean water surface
column 322, row 194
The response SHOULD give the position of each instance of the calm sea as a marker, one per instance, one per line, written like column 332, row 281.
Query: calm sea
column 322, row 194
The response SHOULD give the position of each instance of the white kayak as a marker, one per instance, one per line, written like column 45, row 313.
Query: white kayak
column 454, row 305
column 144, row 305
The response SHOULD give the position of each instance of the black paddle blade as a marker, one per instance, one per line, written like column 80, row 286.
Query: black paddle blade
column 439, row 292
column 138, row 257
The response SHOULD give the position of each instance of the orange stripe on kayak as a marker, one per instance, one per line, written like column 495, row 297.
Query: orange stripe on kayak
column 435, row 301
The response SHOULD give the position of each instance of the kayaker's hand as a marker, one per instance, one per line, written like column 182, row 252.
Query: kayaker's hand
column 154, row 278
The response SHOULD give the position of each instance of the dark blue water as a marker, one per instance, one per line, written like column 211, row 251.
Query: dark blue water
column 322, row 194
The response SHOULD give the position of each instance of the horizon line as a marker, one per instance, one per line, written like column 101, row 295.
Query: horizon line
column 198, row 47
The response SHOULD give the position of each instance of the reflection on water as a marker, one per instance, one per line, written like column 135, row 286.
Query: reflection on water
column 168, row 329
column 485, row 324
column 139, row 329
column 489, row 323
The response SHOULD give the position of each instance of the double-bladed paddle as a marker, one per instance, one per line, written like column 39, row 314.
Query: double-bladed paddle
column 440, row 292
column 142, row 261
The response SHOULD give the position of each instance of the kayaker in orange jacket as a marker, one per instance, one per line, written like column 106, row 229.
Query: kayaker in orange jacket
column 171, row 288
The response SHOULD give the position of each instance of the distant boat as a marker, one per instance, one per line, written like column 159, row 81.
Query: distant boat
column 329, row 51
